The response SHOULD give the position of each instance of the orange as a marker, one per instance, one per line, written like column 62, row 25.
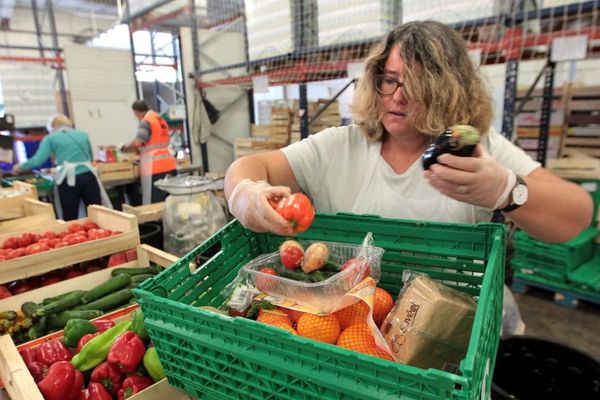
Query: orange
column 285, row 326
column 324, row 328
column 357, row 337
column 353, row 314
column 382, row 305
column 378, row 352
column 270, row 317
column 294, row 315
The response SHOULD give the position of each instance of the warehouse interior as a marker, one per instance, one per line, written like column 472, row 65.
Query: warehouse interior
column 233, row 79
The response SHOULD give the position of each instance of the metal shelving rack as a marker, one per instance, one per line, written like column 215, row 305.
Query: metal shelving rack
column 515, row 45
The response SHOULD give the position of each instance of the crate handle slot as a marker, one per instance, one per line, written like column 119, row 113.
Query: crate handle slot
column 203, row 257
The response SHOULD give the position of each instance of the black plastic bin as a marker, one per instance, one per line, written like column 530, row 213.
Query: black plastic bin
column 151, row 234
column 534, row 368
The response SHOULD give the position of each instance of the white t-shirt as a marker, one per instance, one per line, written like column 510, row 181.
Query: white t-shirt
column 342, row 171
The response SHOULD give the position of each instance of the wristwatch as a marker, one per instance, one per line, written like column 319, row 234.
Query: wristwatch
column 518, row 196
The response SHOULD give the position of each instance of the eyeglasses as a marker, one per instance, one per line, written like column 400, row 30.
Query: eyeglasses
column 386, row 84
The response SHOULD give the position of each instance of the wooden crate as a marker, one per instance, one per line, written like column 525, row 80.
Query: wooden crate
column 146, row 213
column 116, row 171
column 146, row 255
column 34, row 213
column 11, row 199
column 246, row 146
column 36, row 264
column 575, row 168
column 582, row 121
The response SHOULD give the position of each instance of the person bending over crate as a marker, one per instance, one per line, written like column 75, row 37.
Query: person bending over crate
column 75, row 177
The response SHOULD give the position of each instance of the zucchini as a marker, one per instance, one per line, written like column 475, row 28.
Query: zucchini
column 136, row 271
column 9, row 315
column 38, row 329
column 108, row 302
column 140, row 278
column 60, row 320
column 65, row 303
column 29, row 308
column 316, row 276
column 49, row 300
column 110, row 286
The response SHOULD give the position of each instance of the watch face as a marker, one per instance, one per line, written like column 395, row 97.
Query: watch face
column 520, row 194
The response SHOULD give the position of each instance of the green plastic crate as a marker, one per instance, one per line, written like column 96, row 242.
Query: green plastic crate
column 592, row 186
column 526, row 267
column 587, row 276
column 42, row 184
column 213, row 356
column 568, row 255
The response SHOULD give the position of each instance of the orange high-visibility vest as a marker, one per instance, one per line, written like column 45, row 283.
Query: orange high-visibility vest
column 157, row 146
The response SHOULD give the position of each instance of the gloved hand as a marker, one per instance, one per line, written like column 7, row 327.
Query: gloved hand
column 16, row 169
column 479, row 180
column 249, row 202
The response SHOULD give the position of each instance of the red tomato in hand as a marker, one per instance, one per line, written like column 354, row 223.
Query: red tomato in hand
column 298, row 210
column 291, row 254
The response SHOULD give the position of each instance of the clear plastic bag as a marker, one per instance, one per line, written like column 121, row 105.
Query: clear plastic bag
column 323, row 296
column 192, row 212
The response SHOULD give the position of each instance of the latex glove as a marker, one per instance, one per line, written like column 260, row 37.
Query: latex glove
column 249, row 202
column 16, row 169
column 479, row 180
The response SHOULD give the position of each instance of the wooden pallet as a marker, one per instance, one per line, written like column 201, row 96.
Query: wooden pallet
column 562, row 296
column 581, row 131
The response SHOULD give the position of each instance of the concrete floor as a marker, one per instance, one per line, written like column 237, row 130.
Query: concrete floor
column 574, row 327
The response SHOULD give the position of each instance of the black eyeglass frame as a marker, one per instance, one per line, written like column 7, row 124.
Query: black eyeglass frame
column 379, row 79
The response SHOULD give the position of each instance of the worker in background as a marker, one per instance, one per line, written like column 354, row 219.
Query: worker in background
column 152, row 142
column 75, row 177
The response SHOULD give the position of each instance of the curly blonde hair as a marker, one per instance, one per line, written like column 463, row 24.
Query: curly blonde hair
column 440, row 78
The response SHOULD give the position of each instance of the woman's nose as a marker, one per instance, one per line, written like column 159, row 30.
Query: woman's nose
column 398, row 95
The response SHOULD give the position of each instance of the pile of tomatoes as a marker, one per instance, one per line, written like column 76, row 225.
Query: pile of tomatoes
column 31, row 243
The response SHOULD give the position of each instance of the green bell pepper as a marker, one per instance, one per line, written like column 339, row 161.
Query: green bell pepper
column 96, row 350
column 153, row 365
column 137, row 324
column 75, row 329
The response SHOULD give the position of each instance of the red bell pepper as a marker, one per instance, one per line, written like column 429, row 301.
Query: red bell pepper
column 37, row 370
column 63, row 382
column 84, row 339
column 95, row 391
column 298, row 210
column 134, row 384
column 103, row 324
column 109, row 376
column 127, row 352
column 52, row 351
column 28, row 355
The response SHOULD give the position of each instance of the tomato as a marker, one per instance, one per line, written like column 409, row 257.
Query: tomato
column 16, row 253
column 36, row 248
column 263, row 283
column 361, row 269
column 4, row 292
column 61, row 235
column 61, row 243
column 21, row 287
column 98, row 233
column 291, row 254
column 73, row 273
column 26, row 239
column 43, row 240
column 75, row 228
column 49, row 235
column 50, row 279
column 90, row 225
column 53, row 242
column 11, row 243
column 298, row 210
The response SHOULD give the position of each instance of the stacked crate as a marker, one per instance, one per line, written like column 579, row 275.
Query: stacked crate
column 582, row 122
column 328, row 118
column 570, row 267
